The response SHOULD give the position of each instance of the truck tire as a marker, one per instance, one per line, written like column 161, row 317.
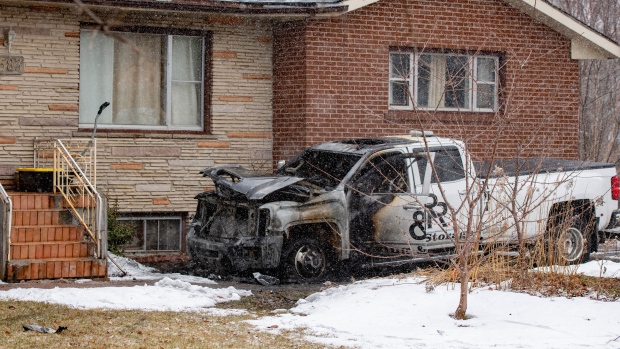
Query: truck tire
column 305, row 260
column 572, row 243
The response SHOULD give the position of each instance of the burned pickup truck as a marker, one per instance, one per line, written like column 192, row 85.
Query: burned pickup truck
column 385, row 200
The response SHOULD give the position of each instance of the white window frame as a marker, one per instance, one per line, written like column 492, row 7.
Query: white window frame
column 412, row 79
column 154, row 218
column 168, row 93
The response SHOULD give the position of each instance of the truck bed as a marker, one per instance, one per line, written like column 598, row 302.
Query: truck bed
column 527, row 166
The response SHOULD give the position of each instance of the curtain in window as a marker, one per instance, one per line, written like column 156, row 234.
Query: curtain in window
column 186, row 80
column 96, row 63
column 437, row 84
column 138, row 80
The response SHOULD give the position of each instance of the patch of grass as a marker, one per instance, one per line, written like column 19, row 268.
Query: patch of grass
column 503, row 272
column 567, row 285
column 96, row 328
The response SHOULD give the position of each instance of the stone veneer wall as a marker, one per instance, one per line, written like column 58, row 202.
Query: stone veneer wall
column 145, row 172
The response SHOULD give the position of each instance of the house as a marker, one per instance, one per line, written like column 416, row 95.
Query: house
column 194, row 84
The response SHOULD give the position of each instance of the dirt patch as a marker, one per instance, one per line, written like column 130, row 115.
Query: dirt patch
column 268, row 300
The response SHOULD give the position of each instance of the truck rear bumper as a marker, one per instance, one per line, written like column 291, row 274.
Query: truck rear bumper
column 238, row 255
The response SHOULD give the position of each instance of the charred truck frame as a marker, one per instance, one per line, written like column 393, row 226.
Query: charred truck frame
column 346, row 200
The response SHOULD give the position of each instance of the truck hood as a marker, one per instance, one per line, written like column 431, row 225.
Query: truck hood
column 232, row 181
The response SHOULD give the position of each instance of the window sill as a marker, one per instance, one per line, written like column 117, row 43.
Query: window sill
column 116, row 133
column 456, row 117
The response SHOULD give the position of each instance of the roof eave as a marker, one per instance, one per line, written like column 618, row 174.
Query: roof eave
column 235, row 8
column 586, row 43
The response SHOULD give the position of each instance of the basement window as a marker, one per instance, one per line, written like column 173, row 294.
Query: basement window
column 443, row 81
column 155, row 233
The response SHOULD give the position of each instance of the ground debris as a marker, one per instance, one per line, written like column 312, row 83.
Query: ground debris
column 43, row 329
column 266, row 280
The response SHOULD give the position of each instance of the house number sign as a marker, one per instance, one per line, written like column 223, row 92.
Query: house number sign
column 11, row 65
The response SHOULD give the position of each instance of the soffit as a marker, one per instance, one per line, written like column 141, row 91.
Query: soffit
column 586, row 43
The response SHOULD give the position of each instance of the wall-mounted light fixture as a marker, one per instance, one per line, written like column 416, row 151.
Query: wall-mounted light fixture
column 9, row 36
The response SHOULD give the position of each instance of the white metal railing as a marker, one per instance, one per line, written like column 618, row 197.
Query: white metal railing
column 74, row 166
column 6, row 231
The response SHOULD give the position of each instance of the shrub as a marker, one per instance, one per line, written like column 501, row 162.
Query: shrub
column 119, row 232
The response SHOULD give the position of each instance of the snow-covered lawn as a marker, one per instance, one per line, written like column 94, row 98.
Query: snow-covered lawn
column 382, row 313
column 399, row 313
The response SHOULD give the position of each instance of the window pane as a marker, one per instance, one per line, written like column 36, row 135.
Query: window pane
column 485, row 96
column 400, row 65
column 424, row 80
column 138, row 80
column 186, row 58
column 186, row 103
column 169, row 234
column 486, row 69
column 457, row 82
column 448, row 165
column 431, row 80
column 400, row 93
column 96, row 65
column 152, row 235
column 383, row 174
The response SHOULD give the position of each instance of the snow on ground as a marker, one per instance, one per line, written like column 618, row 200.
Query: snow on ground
column 596, row 268
column 399, row 313
column 174, row 292
column 166, row 294
column 385, row 313
column 137, row 271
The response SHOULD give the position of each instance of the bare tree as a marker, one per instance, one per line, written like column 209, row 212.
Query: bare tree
column 599, row 137
column 495, row 209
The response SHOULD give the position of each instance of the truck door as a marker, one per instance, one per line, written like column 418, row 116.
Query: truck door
column 449, row 173
column 382, row 206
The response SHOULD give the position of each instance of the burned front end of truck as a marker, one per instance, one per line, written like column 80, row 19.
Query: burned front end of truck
column 246, row 222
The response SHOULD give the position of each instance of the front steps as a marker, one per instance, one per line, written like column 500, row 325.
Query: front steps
column 46, row 242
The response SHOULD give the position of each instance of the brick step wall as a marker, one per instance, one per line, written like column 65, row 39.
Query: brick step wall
column 47, row 244
column 60, row 249
column 56, row 268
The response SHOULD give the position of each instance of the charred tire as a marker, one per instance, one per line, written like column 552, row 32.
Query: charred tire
column 572, row 243
column 305, row 260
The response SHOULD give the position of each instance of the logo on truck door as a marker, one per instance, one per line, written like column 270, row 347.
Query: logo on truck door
column 422, row 221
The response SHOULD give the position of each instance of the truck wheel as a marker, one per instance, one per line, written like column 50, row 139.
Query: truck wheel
column 305, row 260
column 572, row 244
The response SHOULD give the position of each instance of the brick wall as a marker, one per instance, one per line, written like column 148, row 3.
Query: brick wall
column 346, row 64
column 289, row 87
column 145, row 172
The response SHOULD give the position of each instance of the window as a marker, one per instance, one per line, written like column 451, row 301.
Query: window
column 320, row 167
column 438, row 81
column 153, row 81
column 155, row 233
column 448, row 165
column 386, row 173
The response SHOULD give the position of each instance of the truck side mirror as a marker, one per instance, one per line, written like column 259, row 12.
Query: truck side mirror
column 281, row 163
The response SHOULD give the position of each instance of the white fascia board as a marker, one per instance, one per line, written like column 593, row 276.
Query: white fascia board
column 351, row 5
column 355, row 4
column 586, row 43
